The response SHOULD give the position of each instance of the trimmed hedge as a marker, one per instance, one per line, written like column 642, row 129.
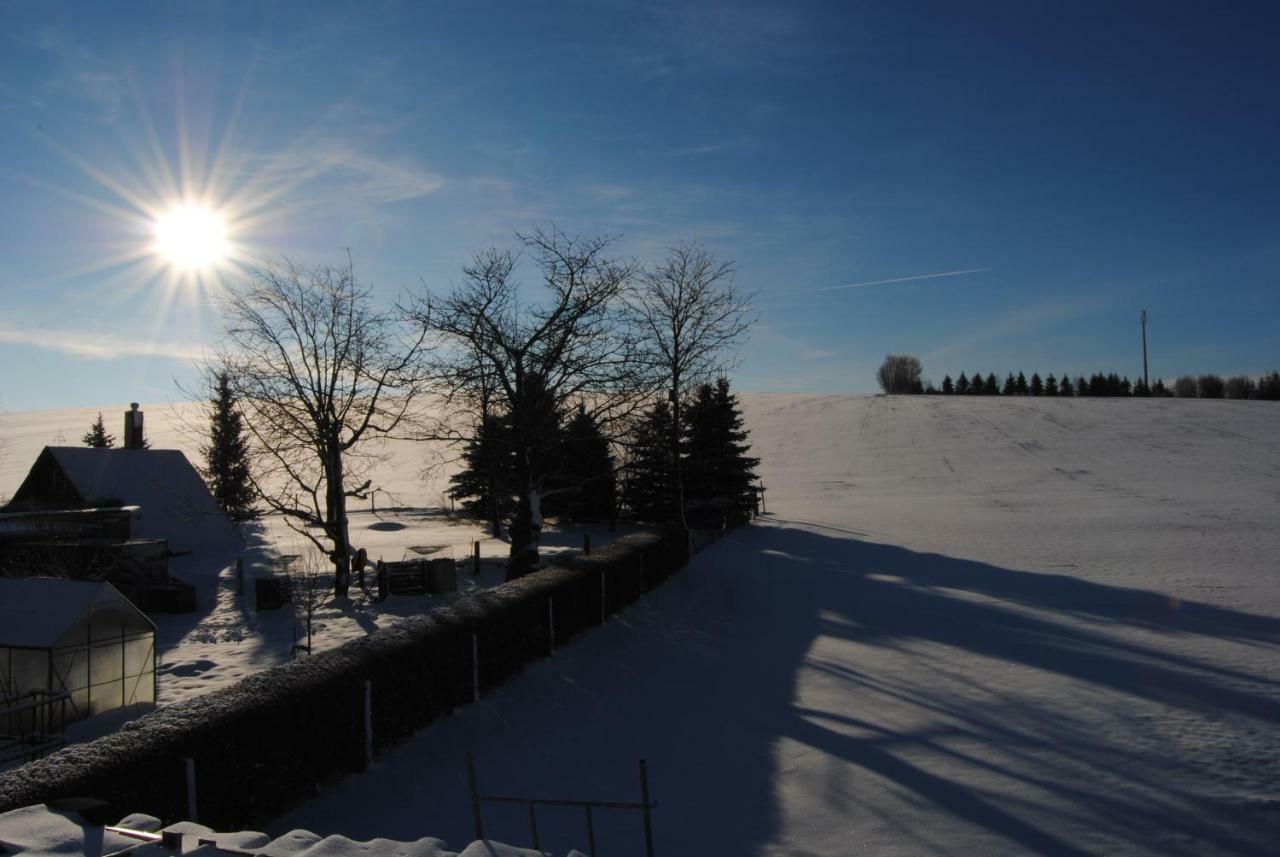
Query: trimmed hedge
column 271, row 739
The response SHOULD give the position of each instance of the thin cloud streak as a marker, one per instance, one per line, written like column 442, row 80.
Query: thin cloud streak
column 81, row 344
column 894, row 280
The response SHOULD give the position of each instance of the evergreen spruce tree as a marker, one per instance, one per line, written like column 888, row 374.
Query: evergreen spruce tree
column 1010, row 386
column 948, row 386
column 648, row 489
column 990, row 387
column 1082, row 386
column 962, row 384
column 587, row 483
column 719, row 474
column 1126, row 388
column 1037, row 386
column 1051, row 385
column 1268, row 386
column 1158, row 389
column 1021, row 384
column 97, row 436
column 484, row 484
column 1065, row 387
column 226, row 456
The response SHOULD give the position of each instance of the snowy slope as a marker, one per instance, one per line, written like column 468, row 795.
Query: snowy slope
column 973, row 626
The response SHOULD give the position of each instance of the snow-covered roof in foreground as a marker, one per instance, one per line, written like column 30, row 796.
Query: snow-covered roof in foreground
column 39, row 830
column 176, row 504
column 35, row 612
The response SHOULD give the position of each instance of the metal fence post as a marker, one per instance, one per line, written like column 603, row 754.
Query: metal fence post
column 475, row 796
column 644, row 799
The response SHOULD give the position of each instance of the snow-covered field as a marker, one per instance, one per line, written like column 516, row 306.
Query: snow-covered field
column 972, row 626
column 967, row 626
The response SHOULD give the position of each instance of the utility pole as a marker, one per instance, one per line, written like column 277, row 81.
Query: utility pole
column 1146, row 382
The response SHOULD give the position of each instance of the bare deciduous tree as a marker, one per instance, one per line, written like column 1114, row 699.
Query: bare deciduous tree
column 900, row 373
column 689, row 313
column 318, row 373
column 532, row 363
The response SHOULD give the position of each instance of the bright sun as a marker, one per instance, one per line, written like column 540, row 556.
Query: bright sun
column 191, row 237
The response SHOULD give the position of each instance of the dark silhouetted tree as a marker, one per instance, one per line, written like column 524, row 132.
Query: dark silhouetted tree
column 649, row 481
column 899, row 373
column 1269, row 386
column 1051, row 385
column 721, row 473
column 1021, row 384
column 1241, row 387
column 226, row 455
column 1185, row 387
column 1210, row 387
column 586, row 485
column 990, row 387
column 97, row 436
column 1037, row 386
column 1010, row 385
column 962, row 384
column 579, row 345
column 948, row 386
column 1065, row 387
column 318, row 373
column 484, row 483
column 689, row 315
column 1159, row 390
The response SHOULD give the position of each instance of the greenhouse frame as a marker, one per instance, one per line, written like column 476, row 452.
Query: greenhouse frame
column 74, row 637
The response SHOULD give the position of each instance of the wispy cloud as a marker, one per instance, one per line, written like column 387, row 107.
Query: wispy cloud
column 893, row 280
column 710, row 148
column 96, row 346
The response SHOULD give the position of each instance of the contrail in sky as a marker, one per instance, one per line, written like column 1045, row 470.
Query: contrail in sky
column 894, row 280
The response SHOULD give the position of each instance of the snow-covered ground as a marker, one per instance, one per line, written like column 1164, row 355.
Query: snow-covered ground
column 226, row 638
column 971, row 626
column 967, row 626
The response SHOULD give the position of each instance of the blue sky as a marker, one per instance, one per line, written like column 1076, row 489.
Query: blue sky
column 1083, row 160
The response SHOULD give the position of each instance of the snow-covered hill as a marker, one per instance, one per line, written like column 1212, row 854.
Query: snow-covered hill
column 967, row 626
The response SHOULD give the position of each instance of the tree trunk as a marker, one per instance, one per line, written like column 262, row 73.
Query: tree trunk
column 339, row 530
column 524, row 544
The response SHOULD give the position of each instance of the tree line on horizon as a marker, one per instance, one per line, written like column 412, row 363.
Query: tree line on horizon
column 901, row 374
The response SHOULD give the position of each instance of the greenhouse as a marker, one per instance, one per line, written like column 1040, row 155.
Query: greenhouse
column 79, row 643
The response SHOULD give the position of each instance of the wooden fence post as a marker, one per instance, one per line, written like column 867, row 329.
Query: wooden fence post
column 189, row 764
column 475, row 668
column 368, row 723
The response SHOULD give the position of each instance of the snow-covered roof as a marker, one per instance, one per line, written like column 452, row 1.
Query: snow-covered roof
column 176, row 504
column 35, row 612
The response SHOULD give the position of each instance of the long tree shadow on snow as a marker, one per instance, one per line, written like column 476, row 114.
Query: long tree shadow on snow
column 796, row 586
column 755, row 683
